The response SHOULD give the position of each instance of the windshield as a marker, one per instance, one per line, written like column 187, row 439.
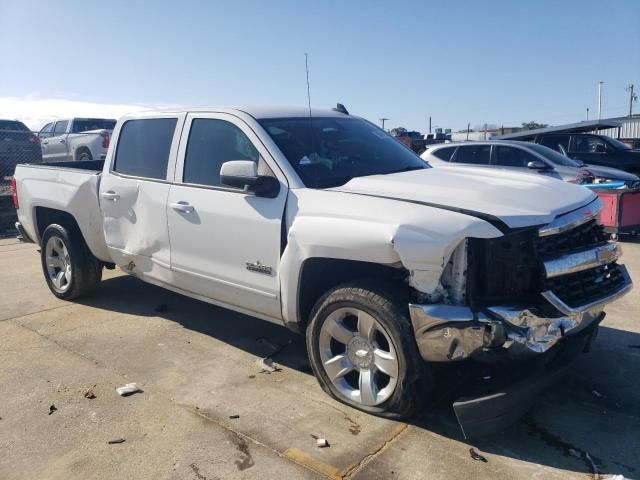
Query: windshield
column 86, row 124
column 618, row 143
column 553, row 156
column 328, row 152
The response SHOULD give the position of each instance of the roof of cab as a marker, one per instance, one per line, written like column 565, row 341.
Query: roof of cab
column 255, row 112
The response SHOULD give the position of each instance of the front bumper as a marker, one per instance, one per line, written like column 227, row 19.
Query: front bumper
column 448, row 333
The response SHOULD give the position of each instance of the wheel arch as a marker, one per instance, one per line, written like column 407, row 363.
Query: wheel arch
column 318, row 275
column 80, row 150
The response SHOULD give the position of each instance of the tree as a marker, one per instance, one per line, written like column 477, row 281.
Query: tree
column 533, row 125
column 398, row 131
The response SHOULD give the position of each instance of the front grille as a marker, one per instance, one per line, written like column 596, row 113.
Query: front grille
column 509, row 270
column 583, row 236
column 587, row 286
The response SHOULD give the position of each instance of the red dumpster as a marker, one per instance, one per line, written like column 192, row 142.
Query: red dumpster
column 621, row 212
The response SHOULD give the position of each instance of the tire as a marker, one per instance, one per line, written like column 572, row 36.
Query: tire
column 70, row 269
column 84, row 155
column 351, row 307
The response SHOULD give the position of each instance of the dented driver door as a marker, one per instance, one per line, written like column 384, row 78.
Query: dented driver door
column 133, row 195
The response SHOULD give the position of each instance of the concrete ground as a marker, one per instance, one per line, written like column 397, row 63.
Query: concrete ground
column 197, row 365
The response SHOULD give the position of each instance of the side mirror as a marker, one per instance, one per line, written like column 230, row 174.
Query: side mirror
column 243, row 174
column 537, row 165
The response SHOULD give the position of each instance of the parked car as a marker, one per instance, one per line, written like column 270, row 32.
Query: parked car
column 76, row 139
column 593, row 149
column 322, row 222
column 17, row 145
column 524, row 157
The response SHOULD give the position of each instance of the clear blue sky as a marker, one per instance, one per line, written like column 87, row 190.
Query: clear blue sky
column 499, row 62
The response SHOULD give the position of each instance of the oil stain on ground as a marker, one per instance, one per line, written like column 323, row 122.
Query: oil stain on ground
column 247, row 460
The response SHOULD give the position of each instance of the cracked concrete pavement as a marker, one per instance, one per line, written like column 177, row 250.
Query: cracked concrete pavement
column 197, row 365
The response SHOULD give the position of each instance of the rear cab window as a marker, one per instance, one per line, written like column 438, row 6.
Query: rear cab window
column 143, row 147
column 87, row 124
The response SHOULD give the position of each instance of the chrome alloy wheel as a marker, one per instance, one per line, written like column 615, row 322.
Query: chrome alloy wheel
column 358, row 356
column 58, row 264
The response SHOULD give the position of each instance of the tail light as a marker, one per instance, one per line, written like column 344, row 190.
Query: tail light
column 14, row 194
column 34, row 139
column 105, row 139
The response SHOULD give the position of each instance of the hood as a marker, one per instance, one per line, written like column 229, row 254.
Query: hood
column 514, row 199
column 612, row 173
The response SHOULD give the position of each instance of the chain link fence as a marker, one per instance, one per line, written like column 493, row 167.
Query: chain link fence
column 19, row 145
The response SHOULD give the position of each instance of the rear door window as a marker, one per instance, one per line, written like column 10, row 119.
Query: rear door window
column 513, row 157
column 444, row 153
column 60, row 128
column 559, row 143
column 144, row 146
column 473, row 154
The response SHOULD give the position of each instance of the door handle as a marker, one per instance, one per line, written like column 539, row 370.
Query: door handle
column 185, row 207
column 110, row 195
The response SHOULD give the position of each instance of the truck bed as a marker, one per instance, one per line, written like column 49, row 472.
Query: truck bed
column 70, row 187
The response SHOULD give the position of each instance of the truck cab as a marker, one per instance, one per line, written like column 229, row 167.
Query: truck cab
column 322, row 222
column 593, row 149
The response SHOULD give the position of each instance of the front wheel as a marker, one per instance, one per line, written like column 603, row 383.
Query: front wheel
column 69, row 267
column 363, row 353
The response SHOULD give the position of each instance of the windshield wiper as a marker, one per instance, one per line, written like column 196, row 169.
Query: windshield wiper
column 407, row 169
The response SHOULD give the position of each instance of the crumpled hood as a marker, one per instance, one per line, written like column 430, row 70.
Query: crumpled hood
column 516, row 199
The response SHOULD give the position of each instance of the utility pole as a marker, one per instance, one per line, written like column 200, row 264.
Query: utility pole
column 600, row 100
column 383, row 120
column 468, row 128
column 632, row 98
column 429, row 124
column 587, row 114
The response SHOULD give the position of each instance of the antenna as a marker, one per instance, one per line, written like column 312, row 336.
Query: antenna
column 306, row 66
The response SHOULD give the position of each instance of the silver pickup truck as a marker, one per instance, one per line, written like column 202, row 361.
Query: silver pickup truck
column 327, row 225
column 76, row 139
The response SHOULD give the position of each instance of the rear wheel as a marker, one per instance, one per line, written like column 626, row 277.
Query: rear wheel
column 84, row 155
column 363, row 353
column 69, row 267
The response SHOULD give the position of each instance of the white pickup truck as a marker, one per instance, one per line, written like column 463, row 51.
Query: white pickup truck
column 322, row 222
column 76, row 139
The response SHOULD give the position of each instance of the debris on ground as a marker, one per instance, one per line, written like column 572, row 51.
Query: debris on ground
column 267, row 365
column 52, row 408
column 476, row 456
column 88, row 393
column 233, row 417
column 269, row 348
column 597, row 393
column 116, row 440
column 322, row 443
column 128, row 389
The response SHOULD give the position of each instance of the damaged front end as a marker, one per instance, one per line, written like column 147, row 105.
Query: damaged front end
column 519, row 298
